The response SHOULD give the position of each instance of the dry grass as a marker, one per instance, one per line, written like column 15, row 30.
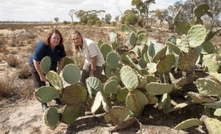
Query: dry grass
column 6, row 85
column 24, row 71
column 12, row 61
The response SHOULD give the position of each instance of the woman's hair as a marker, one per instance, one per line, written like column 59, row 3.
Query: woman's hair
column 47, row 39
column 76, row 48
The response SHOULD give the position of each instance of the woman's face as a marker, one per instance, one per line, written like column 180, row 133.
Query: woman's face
column 76, row 39
column 55, row 39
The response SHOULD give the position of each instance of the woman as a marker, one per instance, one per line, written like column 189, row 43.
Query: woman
column 94, row 60
column 53, row 47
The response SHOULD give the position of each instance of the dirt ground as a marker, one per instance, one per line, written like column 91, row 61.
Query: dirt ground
column 23, row 115
column 26, row 117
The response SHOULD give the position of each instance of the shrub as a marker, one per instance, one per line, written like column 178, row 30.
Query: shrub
column 23, row 71
column 6, row 86
column 12, row 61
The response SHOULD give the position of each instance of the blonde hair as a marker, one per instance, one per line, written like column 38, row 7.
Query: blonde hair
column 76, row 48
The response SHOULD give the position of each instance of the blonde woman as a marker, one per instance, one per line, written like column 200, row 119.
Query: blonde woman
column 94, row 60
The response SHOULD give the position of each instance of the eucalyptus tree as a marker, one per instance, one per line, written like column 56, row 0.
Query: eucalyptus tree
column 71, row 14
column 108, row 18
column 56, row 19
column 142, row 6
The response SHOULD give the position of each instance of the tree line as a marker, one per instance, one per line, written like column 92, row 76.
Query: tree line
column 140, row 15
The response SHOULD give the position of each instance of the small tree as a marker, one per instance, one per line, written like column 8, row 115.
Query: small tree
column 56, row 19
column 71, row 14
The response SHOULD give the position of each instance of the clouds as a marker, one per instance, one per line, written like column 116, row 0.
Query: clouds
column 41, row 10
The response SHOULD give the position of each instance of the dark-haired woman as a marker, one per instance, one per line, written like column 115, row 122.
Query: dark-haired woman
column 53, row 47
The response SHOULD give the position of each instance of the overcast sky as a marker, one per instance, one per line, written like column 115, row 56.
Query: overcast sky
column 47, row 10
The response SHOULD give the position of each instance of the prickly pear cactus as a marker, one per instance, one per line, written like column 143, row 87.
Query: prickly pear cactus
column 93, row 85
column 201, row 10
column 213, row 125
column 129, row 78
column 135, row 101
column 74, row 95
column 45, row 64
column 188, row 123
column 46, row 94
column 120, row 117
column 71, row 74
column 155, row 88
column 208, row 87
column 55, row 80
column 70, row 114
column 196, row 35
column 98, row 101
column 112, row 60
column 52, row 117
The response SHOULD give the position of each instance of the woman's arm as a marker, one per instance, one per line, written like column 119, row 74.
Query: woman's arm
column 38, row 69
column 60, row 65
column 93, row 65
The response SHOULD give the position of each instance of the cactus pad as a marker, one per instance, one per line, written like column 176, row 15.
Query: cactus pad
column 46, row 94
column 155, row 88
column 105, row 49
column 136, row 100
column 166, row 63
column 129, row 78
column 55, row 80
column 70, row 114
column 201, row 10
column 93, row 85
column 110, row 87
column 45, row 64
column 52, row 117
column 196, row 35
column 208, row 87
column 119, row 116
column 74, row 95
column 71, row 74
column 188, row 123
column 213, row 125
column 112, row 60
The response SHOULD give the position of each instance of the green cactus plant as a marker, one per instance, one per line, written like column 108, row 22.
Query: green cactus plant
column 74, row 95
column 69, row 114
column 112, row 60
column 55, row 80
column 93, row 86
column 136, row 101
column 45, row 64
column 46, row 94
column 129, row 78
column 52, row 117
column 120, row 117
column 188, row 123
column 71, row 74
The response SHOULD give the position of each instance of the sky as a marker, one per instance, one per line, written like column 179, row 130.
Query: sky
column 47, row 10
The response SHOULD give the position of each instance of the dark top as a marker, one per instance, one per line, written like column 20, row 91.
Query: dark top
column 43, row 50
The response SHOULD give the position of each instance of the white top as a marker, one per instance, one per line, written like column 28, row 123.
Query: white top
column 90, row 49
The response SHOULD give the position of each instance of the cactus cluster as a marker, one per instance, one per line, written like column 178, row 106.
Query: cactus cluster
column 146, row 73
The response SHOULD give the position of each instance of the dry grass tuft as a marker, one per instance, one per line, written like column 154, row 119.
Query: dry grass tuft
column 26, row 89
column 6, row 86
column 24, row 71
column 12, row 61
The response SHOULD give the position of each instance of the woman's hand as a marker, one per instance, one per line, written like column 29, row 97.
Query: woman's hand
column 91, row 74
